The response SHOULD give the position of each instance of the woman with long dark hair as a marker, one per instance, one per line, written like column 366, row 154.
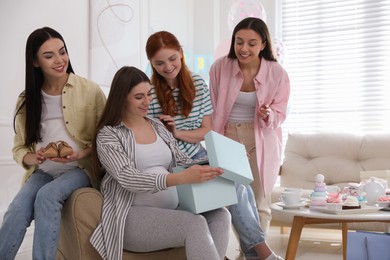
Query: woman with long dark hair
column 54, row 123
column 250, row 92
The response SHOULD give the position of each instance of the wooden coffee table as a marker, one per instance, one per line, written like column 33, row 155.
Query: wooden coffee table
column 305, row 216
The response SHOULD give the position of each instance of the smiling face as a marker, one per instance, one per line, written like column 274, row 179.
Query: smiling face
column 138, row 100
column 247, row 46
column 167, row 63
column 52, row 58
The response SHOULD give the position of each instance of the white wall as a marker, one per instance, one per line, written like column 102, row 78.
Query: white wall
column 200, row 26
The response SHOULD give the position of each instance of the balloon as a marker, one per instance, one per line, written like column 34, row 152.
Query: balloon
column 241, row 9
column 280, row 51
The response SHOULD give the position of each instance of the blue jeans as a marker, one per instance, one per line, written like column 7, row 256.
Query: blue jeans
column 40, row 198
column 202, row 153
column 245, row 218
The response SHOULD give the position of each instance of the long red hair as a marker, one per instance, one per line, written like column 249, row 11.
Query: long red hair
column 186, row 86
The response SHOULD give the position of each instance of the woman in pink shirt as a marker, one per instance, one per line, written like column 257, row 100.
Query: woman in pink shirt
column 250, row 93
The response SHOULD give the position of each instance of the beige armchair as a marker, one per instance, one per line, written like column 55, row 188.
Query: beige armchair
column 80, row 216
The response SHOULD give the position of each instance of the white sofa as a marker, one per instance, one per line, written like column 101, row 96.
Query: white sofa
column 339, row 157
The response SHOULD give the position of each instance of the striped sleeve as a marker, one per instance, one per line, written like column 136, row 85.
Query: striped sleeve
column 154, row 107
column 202, row 95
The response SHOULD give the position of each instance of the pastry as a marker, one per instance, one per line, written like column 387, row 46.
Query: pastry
column 351, row 202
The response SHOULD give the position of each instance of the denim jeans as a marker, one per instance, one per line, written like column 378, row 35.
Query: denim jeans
column 245, row 218
column 41, row 199
column 202, row 153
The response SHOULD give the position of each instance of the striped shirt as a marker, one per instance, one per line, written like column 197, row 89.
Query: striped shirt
column 116, row 150
column 201, row 107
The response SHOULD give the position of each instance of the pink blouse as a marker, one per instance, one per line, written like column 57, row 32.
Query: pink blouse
column 272, row 88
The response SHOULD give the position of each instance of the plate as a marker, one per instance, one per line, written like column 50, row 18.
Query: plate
column 297, row 206
column 366, row 209
column 383, row 204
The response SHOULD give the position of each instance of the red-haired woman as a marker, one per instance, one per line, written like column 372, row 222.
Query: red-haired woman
column 181, row 100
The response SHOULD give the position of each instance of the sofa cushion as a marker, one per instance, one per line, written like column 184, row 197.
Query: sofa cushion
column 338, row 156
column 80, row 216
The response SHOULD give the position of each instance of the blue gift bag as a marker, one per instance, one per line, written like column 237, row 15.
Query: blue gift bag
column 363, row 245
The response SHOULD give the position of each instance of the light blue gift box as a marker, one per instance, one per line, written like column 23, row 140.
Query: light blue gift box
column 228, row 155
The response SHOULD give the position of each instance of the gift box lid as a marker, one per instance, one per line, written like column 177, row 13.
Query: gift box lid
column 230, row 156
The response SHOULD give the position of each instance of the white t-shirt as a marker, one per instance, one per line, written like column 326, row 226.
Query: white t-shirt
column 244, row 108
column 155, row 158
column 52, row 130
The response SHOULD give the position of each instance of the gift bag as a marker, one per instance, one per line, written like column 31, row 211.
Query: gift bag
column 363, row 245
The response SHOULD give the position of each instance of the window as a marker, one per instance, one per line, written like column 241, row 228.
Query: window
column 339, row 65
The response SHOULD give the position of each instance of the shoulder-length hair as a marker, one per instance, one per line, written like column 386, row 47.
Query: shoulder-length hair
column 32, row 98
column 155, row 42
column 125, row 79
column 259, row 26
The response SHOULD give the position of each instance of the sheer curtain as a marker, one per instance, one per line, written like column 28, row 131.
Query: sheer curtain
column 338, row 60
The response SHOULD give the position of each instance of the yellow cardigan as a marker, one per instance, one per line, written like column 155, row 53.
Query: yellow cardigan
column 83, row 102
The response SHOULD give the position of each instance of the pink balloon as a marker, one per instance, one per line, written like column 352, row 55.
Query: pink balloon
column 280, row 51
column 241, row 9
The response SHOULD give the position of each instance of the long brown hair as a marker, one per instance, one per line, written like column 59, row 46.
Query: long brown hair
column 125, row 79
column 186, row 86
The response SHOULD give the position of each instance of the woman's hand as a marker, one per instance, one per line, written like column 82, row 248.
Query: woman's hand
column 201, row 173
column 34, row 158
column 75, row 156
column 194, row 174
column 264, row 112
column 169, row 123
column 189, row 136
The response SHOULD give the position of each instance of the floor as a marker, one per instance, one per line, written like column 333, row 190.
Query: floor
column 319, row 244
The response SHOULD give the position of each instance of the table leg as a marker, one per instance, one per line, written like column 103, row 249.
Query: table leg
column 344, row 232
column 295, row 235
